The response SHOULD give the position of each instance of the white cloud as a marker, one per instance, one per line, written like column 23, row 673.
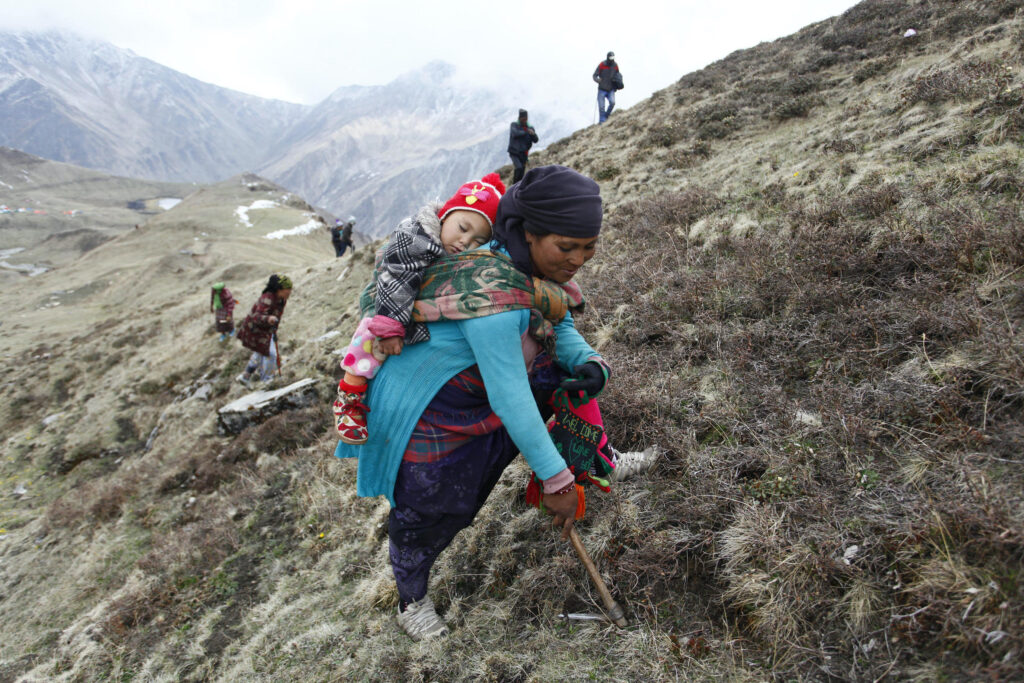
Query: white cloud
column 304, row 49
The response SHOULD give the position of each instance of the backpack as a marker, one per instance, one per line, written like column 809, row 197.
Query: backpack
column 617, row 80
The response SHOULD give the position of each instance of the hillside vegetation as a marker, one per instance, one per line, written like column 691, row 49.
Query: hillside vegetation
column 811, row 290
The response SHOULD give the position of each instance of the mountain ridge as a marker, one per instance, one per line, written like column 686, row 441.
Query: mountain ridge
column 99, row 106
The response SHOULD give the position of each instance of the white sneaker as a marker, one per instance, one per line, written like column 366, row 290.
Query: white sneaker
column 633, row 462
column 420, row 620
column 243, row 380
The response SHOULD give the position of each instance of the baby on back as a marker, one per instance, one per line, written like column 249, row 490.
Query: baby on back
column 462, row 223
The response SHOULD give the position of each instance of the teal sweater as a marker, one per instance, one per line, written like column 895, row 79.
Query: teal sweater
column 407, row 383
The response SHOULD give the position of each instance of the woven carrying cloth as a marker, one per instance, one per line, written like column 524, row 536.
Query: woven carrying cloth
column 481, row 283
column 578, row 433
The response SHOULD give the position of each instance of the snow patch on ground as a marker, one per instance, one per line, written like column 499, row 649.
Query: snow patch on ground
column 168, row 203
column 243, row 211
column 243, row 215
column 27, row 268
column 303, row 229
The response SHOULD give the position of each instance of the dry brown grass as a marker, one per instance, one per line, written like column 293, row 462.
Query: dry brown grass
column 812, row 371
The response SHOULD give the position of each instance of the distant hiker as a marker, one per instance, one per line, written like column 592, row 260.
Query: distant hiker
column 258, row 332
column 450, row 414
column 460, row 224
column 521, row 137
column 608, row 79
column 341, row 235
column 222, row 305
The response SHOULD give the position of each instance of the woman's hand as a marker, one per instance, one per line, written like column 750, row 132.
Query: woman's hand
column 392, row 346
column 563, row 507
column 272, row 320
column 588, row 378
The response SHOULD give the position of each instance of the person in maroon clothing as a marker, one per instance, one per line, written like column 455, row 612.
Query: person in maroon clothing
column 258, row 332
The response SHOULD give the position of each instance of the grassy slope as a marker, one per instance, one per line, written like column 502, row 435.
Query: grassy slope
column 813, row 260
column 108, row 205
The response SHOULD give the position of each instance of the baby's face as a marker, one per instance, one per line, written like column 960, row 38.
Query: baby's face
column 462, row 230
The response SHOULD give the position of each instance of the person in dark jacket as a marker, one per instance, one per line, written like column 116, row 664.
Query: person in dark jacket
column 521, row 137
column 258, row 332
column 341, row 235
column 605, row 77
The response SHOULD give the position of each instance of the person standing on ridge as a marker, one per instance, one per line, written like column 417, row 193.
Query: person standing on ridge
column 341, row 235
column 608, row 80
column 521, row 137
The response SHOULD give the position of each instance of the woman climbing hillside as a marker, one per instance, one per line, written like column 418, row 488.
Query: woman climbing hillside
column 222, row 305
column 258, row 332
column 453, row 412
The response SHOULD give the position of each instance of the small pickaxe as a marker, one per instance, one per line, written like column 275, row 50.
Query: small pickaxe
column 615, row 612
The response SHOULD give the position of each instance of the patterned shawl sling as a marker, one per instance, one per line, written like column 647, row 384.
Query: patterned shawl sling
column 480, row 283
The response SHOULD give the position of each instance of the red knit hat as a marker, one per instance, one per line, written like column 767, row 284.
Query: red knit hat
column 481, row 196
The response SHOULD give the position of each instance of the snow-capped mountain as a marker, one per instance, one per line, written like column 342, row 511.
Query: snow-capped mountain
column 380, row 152
column 375, row 152
column 96, row 105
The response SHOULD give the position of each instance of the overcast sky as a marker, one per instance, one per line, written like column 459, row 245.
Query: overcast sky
column 302, row 50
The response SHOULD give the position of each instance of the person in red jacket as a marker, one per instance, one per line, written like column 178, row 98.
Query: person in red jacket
column 608, row 80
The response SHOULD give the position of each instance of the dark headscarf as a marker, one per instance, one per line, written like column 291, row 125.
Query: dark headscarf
column 549, row 199
column 277, row 282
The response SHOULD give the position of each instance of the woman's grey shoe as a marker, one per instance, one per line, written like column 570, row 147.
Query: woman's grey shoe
column 243, row 380
column 420, row 620
column 632, row 463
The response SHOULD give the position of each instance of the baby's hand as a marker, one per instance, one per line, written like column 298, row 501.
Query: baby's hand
column 391, row 346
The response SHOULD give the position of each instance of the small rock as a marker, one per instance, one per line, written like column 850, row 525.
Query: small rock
column 808, row 418
column 258, row 406
column 203, row 392
column 266, row 460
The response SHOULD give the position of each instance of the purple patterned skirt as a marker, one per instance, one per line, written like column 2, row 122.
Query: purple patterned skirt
column 455, row 456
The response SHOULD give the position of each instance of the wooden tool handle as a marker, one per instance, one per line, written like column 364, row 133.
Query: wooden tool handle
column 614, row 610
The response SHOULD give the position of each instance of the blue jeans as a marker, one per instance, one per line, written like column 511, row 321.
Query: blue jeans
column 605, row 98
column 265, row 365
